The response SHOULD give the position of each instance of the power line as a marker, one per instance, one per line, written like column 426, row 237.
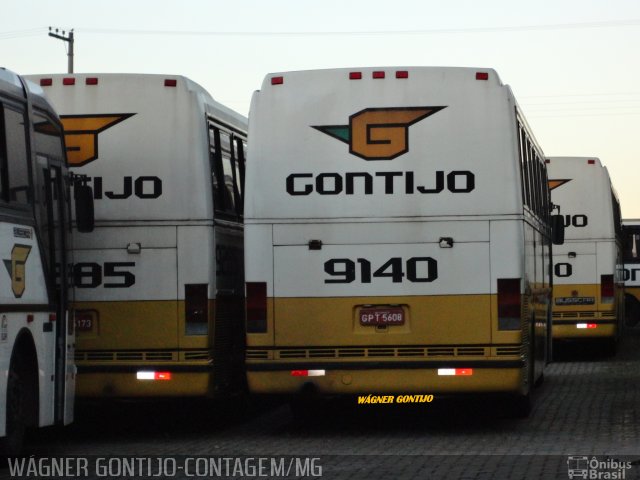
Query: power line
column 31, row 32
column 436, row 31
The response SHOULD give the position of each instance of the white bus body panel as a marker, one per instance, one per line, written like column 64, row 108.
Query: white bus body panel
column 12, row 323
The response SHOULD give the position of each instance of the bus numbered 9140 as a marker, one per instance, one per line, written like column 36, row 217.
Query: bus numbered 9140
column 397, row 236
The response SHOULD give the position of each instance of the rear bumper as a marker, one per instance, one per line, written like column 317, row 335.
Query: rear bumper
column 122, row 381
column 388, row 377
column 570, row 330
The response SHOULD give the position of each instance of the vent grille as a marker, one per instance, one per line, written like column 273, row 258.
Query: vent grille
column 508, row 351
column 258, row 354
column 588, row 314
column 134, row 356
column 375, row 352
column 197, row 355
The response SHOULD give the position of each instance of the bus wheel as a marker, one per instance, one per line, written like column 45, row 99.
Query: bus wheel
column 522, row 404
column 609, row 347
column 11, row 443
column 632, row 310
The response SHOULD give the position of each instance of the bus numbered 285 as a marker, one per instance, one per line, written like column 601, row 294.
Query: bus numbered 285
column 160, row 279
column 37, row 372
column 588, row 294
column 397, row 236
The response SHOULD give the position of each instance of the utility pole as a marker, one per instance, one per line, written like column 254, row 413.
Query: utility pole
column 68, row 38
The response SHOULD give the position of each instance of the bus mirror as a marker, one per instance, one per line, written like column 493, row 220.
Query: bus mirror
column 557, row 229
column 83, row 195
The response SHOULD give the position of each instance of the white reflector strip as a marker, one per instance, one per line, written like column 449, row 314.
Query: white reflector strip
column 456, row 371
column 153, row 375
column 316, row 373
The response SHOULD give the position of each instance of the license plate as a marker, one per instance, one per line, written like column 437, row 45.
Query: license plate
column 84, row 322
column 382, row 316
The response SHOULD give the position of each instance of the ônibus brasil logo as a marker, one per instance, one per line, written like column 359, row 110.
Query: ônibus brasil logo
column 81, row 134
column 378, row 133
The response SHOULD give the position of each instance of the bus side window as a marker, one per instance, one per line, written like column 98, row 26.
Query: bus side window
column 14, row 169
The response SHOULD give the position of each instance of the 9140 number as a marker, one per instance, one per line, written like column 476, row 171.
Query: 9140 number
column 414, row 269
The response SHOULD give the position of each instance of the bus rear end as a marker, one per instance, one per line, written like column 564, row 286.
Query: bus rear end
column 158, row 275
column 385, row 235
column 587, row 293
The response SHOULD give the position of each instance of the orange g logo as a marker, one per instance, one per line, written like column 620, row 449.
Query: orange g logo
column 379, row 133
column 81, row 135
column 16, row 267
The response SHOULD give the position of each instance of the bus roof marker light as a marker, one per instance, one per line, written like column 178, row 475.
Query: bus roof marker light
column 91, row 81
column 402, row 74
column 355, row 75
column 277, row 80
column 591, row 161
column 378, row 74
column 46, row 82
column 68, row 81
column 170, row 82
column 482, row 76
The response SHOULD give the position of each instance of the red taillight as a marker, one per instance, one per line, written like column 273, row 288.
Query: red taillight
column 46, row 82
column 402, row 74
column 68, row 81
column 91, row 81
column 162, row 376
column 482, row 76
column 355, row 75
column 52, row 317
column 606, row 288
column 308, row 373
column 378, row 74
column 170, row 82
column 509, row 304
column 277, row 80
column 256, row 307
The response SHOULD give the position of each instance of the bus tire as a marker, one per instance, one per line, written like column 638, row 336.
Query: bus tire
column 16, row 426
column 632, row 310
column 522, row 404
column 609, row 347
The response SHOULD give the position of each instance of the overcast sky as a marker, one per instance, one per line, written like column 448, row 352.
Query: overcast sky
column 574, row 65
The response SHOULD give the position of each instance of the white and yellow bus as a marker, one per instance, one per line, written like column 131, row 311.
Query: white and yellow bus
column 588, row 294
column 631, row 273
column 37, row 373
column 397, row 235
column 160, row 280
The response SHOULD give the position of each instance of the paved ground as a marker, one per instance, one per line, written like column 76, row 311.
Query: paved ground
column 588, row 409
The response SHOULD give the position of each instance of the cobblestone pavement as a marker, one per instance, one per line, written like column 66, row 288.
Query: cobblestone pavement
column 586, row 411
